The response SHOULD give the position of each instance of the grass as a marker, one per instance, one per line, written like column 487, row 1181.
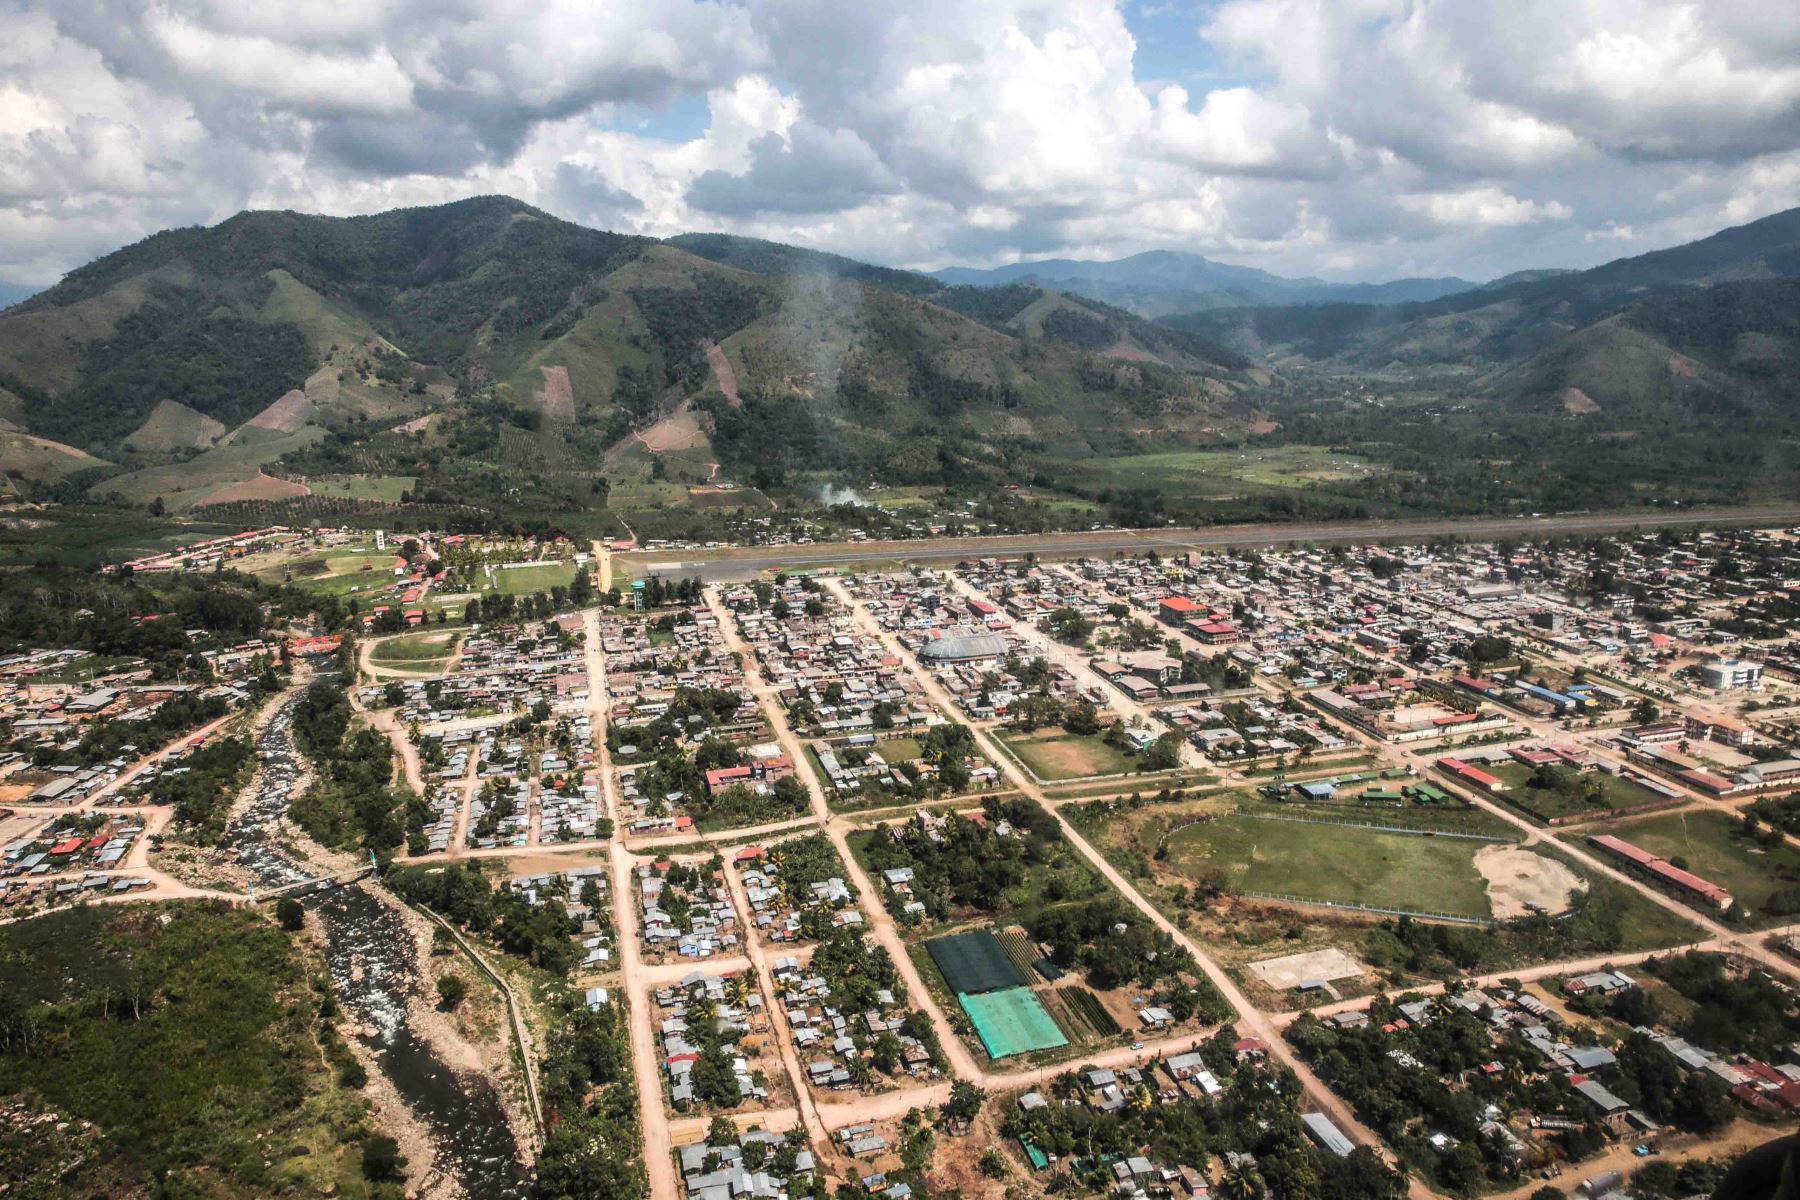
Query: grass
column 1054, row 756
column 1345, row 865
column 1549, row 803
column 1713, row 847
column 524, row 581
column 895, row 751
column 385, row 488
column 1216, row 474
column 218, row 1085
column 436, row 646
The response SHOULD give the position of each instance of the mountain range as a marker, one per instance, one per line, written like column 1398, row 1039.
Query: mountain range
column 501, row 359
column 505, row 355
column 1160, row 283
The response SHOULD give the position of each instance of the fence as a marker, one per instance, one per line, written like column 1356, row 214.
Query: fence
column 1449, row 918
column 1404, row 829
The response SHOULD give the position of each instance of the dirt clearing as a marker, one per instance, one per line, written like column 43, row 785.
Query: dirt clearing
column 723, row 374
column 557, row 397
column 1521, row 881
column 262, row 487
column 1290, row 971
column 678, row 432
column 286, row 415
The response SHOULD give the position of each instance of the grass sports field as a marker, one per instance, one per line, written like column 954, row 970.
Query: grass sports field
column 524, row 581
column 1053, row 755
column 1342, row 864
column 425, row 652
column 1712, row 846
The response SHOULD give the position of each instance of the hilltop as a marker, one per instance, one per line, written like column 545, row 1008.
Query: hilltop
column 503, row 355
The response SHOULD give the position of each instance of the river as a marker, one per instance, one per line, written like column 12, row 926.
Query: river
column 374, row 966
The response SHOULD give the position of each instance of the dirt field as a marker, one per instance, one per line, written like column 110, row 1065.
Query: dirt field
column 416, row 425
column 284, row 416
column 1575, row 400
column 1518, row 877
column 557, row 397
column 262, row 487
column 678, row 432
column 722, row 372
column 1053, row 755
column 1290, row 971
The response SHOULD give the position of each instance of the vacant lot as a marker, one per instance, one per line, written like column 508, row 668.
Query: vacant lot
column 1341, row 864
column 1614, row 794
column 1712, row 846
column 1053, row 755
column 895, row 751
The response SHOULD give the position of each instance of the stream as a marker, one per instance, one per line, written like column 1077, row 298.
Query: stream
column 374, row 967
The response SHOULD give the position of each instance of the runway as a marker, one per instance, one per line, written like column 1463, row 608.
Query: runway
column 737, row 563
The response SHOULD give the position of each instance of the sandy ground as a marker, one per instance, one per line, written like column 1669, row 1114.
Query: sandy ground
column 1518, row 877
column 475, row 1037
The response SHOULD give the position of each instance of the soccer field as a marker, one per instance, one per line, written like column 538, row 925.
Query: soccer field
column 1337, row 863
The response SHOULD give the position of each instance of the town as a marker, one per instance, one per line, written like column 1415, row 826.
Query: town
column 1470, row 868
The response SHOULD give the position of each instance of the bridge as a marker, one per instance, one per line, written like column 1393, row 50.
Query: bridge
column 341, row 879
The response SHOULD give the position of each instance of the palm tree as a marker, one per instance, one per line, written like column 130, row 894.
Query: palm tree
column 1242, row 1183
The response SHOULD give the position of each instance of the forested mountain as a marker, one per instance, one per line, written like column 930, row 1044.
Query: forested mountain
column 489, row 348
column 1507, row 322
column 1161, row 283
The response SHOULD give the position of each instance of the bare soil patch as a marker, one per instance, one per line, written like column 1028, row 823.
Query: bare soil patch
column 1291, row 970
column 723, row 374
column 557, row 397
column 1521, row 881
column 680, row 431
column 286, row 415
column 262, row 487
column 1574, row 400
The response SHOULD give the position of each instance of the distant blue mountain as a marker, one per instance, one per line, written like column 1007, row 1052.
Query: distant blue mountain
column 1160, row 283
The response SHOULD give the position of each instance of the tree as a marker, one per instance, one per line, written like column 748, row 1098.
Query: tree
column 993, row 1164
column 381, row 1160
column 451, row 990
column 721, row 1132
column 290, row 913
column 964, row 1103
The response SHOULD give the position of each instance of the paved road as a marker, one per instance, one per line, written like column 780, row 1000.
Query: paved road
column 738, row 563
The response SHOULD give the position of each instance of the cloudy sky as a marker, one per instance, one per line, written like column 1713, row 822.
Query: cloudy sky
column 1350, row 139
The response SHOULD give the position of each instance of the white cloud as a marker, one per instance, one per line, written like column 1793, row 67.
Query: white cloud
column 1354, row 136
column 1484, row 207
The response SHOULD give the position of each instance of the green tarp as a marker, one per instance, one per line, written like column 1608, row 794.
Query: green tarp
column 1011, row 1021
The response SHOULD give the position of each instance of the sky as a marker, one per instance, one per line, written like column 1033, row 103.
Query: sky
column 1355, row 139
